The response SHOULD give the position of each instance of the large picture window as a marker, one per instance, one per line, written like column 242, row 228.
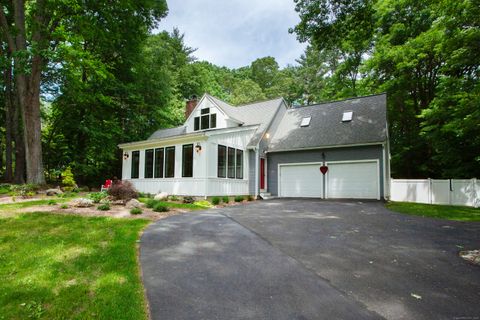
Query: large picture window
column 135, row 164
column 169, row 162
column 187, row 161
column 239, row 164
column 159, row 158
column 222, row 161
column 148, row 163
column 231, row 162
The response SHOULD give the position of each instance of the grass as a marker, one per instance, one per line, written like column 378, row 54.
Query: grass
column 4, row 189
column 457, row 213
column 26, row 204
column 189, row 206
column 69, row 267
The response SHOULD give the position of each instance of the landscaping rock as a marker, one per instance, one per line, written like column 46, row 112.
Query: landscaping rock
column 134, row 203
column 82, row 203
column 472, row 256
column 53, row 192
column 161, row 196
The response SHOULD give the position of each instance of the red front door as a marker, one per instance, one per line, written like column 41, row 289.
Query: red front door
column 262, row 173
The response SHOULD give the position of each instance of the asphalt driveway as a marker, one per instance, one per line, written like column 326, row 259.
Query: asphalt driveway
column 309, row 259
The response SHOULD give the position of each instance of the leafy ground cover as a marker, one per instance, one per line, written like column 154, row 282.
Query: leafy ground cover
column 69, row 267
column 201, row 205
column 457, row 213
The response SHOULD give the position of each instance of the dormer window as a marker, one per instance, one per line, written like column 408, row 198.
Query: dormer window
column 305, row 122
column 205, row 121
column 347, row 116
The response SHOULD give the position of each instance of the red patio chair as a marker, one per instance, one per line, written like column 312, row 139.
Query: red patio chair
column 108, row 184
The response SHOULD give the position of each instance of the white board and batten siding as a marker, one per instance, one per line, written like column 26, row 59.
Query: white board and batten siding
column 463, row 192
column 344, row 179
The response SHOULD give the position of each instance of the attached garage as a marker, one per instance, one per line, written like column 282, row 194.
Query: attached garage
column 356, row 179
column 301, row 180
column 353, row 180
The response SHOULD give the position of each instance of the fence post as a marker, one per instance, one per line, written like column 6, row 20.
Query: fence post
column 476, row 198
column 430, row 191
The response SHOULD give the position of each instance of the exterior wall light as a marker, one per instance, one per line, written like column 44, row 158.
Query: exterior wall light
column 125, row 156
column 198, row 148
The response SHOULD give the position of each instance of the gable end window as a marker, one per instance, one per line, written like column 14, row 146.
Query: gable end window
column 169, row 162
column 187, row 161
column 148, row 163
column 196, row 123
column 205, row 122
column 135, row 165
column 205, row 111
column 213, row 120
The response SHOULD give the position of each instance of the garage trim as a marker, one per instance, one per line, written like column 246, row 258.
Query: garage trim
column 279, row 186
column 354, row 161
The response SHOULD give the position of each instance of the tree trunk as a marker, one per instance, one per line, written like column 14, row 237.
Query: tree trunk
column 17, row 130
column 9, row 105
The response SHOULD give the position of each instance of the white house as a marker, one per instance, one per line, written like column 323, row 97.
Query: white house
column 267, row 148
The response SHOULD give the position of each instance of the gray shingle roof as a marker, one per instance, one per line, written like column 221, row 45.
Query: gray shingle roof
column 326, row 127
column 166, row 133
column 258, row 113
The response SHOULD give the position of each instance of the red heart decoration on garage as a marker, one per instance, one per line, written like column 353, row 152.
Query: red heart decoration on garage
column 323, row 169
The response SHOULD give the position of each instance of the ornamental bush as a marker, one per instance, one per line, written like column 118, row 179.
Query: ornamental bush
column 122, row 190
column 215, row 200
column 68, row 180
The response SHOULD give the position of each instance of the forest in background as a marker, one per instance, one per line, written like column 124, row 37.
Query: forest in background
column 98, row 86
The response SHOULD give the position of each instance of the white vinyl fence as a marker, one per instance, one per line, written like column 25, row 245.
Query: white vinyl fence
column 450, row 191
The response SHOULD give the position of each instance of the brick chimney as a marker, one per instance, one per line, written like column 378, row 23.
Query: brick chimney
column 190, row 105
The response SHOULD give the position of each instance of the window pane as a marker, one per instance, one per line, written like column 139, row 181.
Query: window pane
column 205, row 122
column 149, row 163
column 196, row 123
column 222, row 162
column 231, row 162
column 159, row 153
column 169, row 162
column 239, row 164
column 187, row 161
column 213, row 120
column 135, row 164
column 205, row 111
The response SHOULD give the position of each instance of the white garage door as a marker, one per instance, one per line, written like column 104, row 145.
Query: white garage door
column 358, row 180
column 301, row 181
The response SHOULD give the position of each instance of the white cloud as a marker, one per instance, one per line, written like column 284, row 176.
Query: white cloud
column 234, row 33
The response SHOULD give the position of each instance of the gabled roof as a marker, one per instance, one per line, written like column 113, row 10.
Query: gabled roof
column 368, row 125
column 258, row 113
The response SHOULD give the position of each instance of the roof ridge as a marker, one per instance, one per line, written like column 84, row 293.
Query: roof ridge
column 336, row 101
column 257, row 102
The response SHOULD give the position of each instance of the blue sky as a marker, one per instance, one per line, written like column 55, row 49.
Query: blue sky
column 233, row 33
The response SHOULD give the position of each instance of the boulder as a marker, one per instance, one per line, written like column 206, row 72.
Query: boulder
column 133, row 203
column 82, row 203
column 53, row 192
column 161, row 196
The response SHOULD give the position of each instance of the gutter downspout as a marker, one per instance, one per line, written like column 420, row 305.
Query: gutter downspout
column 206, row 169
column 256, row 172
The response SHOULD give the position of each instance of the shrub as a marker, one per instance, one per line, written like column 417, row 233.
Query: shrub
column 225, row 199
column 215, row 200
column 51, row 202
column 67, row 180
column 5, row 188
column 97, row 196
column 122, row 190
column 136, row 211
column 158, row 207
column 188, row 200
column 104, row 207
column 250, row 198
column 239, row 198
column 64, row 206
column 145, row 195
column 173, row 198
column 24, row 190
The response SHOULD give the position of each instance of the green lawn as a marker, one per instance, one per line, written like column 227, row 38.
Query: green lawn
column 69, row 267
column 436, row 211
column 26, row 204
